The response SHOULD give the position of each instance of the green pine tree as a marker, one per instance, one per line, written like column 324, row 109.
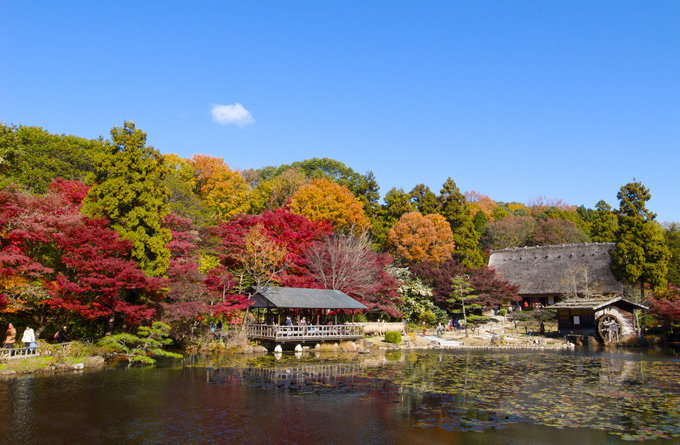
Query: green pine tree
column 463, row 300
column 127, row 189
column 604, row 224
column 454, row 208
column 641, row 255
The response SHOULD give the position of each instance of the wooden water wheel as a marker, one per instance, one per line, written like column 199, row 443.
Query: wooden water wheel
column 609, row 328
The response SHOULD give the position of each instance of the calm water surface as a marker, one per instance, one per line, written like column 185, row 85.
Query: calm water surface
column 398, row 397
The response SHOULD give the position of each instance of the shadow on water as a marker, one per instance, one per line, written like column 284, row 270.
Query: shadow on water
column 396, row 397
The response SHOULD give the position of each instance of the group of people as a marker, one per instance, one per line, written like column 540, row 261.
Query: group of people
column 28, row 337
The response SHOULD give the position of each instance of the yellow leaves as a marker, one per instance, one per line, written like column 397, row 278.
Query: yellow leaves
column 275, row 192
column 207, row 263
column 262, row 254
column 223, row 190
column 12, row 284
column 323, row 200
column 418, row 238
column 477, row 201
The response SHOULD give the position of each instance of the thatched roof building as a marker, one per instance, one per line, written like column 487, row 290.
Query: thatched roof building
column 546, row 273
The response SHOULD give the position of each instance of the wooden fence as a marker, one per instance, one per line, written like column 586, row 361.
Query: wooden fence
column 35, row 351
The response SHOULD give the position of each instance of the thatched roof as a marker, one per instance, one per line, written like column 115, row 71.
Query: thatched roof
column 290, row 297
column 557, row 270
column 595, row 303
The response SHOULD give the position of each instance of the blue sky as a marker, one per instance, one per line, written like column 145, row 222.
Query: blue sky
column 563, row 99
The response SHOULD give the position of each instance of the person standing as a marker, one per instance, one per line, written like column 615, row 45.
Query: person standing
column 60, row 336
column 28, row 337
column 10, row 337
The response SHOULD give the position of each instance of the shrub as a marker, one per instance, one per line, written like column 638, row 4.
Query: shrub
column 503, row 312
column 393, row 337
column 140, row 348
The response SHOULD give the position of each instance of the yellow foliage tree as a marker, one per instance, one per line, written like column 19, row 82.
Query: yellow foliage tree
column 261, row 260
column 323, row 200
column 416, row 238
column 274, row 193
column 477, row 201
column 223, row 190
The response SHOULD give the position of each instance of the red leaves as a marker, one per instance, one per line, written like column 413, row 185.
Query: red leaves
column 84, row 265
column 294, row 232
column 490, row 289
column 72, row 192
column 666, row 305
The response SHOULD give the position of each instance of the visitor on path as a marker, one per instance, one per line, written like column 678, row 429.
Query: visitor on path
column 450, row 325
column 10, row 337
column 60, row 336
column 29, row 339
column 440, row 329
column 541, row 329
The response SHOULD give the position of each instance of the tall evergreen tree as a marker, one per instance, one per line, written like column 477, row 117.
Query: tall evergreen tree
column 641, row 255
column 368, row 193
column 604, row 224
column 424, row 200
column 454, row 208
column 672, row 235
column 127, row 189
column 397, row 203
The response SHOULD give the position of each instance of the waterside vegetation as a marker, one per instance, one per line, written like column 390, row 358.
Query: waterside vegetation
column 108, row 237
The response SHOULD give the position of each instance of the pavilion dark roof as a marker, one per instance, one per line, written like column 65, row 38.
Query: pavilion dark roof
column 595, row 303
column 545, row 270
column 298, row 298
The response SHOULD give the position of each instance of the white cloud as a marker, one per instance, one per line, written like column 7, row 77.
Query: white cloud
column 231, row 114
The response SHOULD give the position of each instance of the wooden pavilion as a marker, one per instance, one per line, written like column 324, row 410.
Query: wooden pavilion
column 610, row 319
column 309, row 312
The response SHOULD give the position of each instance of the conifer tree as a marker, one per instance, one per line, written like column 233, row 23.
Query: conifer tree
column 454, row 208
column 127, row 189
column 641, row 255
column 604, row 224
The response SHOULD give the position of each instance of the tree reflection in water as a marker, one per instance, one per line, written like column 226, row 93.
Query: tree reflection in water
column 633, row 398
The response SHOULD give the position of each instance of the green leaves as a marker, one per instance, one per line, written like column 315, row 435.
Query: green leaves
column 641, row 254
column 128, row 190
column 143, row 347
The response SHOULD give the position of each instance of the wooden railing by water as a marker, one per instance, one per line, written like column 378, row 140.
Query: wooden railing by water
column 303, row 333
column 31, row 351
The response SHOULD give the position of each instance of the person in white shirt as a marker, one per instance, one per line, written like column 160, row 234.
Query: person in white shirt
column 28, row 337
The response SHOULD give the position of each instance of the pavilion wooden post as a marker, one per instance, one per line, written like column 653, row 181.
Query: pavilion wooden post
column 245, row 317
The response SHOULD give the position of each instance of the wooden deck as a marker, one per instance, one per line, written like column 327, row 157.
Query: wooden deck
column 303, row 334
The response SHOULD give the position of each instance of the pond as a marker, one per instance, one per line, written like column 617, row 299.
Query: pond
column 394, row 397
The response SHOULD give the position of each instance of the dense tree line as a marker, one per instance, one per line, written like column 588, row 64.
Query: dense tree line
column 111, row 233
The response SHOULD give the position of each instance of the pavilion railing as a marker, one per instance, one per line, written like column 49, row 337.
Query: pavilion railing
column 308, row 332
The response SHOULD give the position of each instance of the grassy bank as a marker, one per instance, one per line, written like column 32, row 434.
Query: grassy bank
column 74, row 356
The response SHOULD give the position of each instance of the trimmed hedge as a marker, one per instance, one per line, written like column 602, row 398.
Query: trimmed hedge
column 393, row 337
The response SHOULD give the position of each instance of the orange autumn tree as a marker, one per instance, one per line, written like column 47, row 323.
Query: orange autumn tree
column 478, row 201
column 417, row 238
column 223, row 190
column 324, row 200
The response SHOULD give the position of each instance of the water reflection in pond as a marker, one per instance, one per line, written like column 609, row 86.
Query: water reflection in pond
column 396, row 397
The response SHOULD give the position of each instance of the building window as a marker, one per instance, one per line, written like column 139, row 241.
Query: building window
column 577, row 319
